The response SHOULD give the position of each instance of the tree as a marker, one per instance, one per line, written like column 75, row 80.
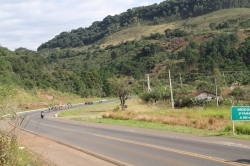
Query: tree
column 122, row 87
column 157, row 94
column 113, row 55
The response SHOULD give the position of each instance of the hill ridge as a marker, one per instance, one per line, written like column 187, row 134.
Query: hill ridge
column 147, row 15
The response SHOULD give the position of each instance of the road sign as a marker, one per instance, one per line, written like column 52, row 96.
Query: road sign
column 240, row 113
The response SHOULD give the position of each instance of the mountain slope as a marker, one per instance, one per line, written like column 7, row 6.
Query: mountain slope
column 167, row 11
column 203, row 22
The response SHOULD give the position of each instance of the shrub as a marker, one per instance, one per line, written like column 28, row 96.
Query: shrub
column 211, row 104
column 242, row 129
column 145, row 97
column 175, row 33
column 212, row 25
column 228, row 128
column 116, row 109
column 239, row 129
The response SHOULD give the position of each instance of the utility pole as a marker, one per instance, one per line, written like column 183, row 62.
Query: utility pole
column 224, row 78
column 180, row 80
column 216, row 91
column 143, row 86
column 171, row 91
column 149, row 90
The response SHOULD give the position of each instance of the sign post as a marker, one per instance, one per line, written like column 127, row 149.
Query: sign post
column 240, row 113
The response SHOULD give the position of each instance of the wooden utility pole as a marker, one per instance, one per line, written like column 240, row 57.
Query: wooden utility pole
column 171, row 91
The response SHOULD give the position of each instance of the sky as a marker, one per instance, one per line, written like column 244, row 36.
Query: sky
column 29, row 23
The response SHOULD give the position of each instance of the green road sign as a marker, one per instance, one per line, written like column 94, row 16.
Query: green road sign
column 241, row 113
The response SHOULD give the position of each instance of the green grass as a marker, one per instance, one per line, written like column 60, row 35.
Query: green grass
column 70, row 112
column 160, row 126
column 144, row 124
column 221, row 112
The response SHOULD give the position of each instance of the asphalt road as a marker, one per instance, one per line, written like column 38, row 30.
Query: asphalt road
column 141, row 147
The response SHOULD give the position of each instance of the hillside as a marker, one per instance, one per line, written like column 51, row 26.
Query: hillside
column 92, row 56
column 164, row 12
column 135, row 33
column 197, row 49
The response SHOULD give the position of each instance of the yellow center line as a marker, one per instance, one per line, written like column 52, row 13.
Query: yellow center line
column 158, row 147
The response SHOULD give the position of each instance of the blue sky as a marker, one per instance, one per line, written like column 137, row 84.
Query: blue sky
column 29, row 23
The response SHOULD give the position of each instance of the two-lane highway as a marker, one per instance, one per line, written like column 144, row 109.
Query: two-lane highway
column 141, row 147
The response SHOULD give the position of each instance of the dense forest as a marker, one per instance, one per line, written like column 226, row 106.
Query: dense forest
column 164, row 12
column 195, row 57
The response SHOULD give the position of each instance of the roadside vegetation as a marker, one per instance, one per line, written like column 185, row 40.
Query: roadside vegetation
column 13, row 154
column 14, row 99
column 196, row 120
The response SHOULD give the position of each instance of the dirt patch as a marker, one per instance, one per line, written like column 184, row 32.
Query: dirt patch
column 46, row 96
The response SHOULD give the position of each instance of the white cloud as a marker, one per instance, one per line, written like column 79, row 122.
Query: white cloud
column 29, row 23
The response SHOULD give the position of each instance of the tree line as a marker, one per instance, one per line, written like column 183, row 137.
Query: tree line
column 86, row 73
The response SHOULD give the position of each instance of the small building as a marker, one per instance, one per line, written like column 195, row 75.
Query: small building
column 203, row 95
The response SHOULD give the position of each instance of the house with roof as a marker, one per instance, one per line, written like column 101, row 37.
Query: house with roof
column 203, row 95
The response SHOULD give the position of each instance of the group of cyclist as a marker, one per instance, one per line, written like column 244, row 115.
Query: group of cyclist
column 56, row 108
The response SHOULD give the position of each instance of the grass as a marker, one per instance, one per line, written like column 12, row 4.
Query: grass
column 38, row 98
column 205, row 121
column 149, row 125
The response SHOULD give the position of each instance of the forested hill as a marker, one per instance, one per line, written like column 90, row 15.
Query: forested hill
column 197, row 50
column 165, row 12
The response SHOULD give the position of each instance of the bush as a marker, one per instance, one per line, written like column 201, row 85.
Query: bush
column 211, row 104
column 145, row 97
column 239, row 129
column 212, row 25
column 228, row 128
column 175, row 33
column 226, row 102
column 242, row 129
column 116, row 109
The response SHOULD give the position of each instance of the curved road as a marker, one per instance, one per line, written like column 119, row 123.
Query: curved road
column 141, row 147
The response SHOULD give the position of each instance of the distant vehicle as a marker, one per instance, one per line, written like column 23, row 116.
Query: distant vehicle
column 102, row 100
column 89, row 102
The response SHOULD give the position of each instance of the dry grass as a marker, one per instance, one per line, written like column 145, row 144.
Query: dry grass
column 196, row 118
column 37, row 98
column 208, row 123
column 10, row 152
column 202, row 22
column 136, row 33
